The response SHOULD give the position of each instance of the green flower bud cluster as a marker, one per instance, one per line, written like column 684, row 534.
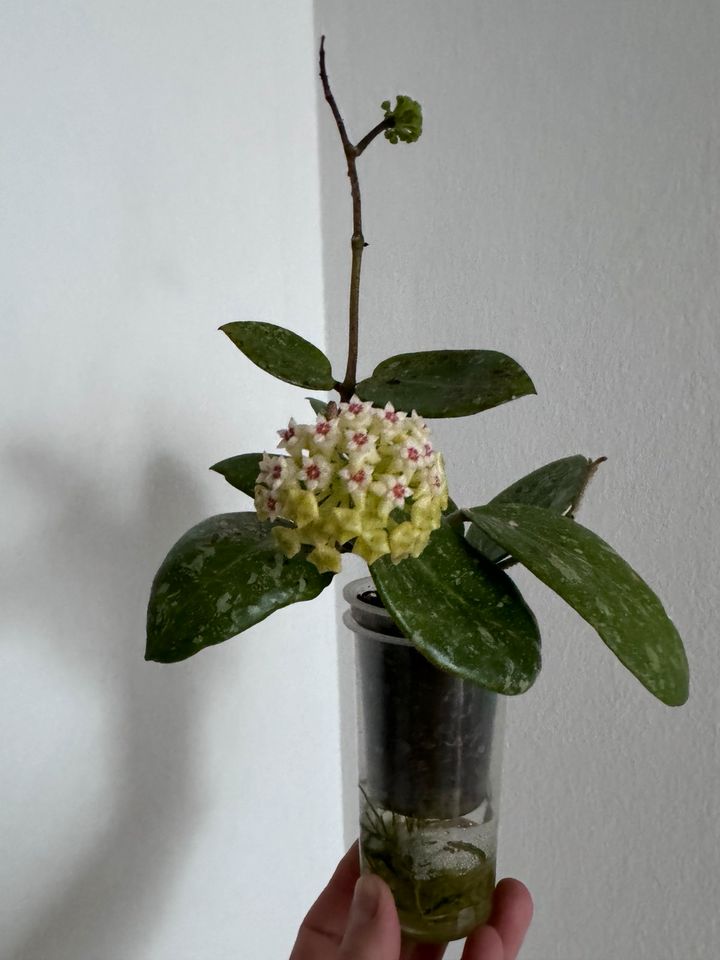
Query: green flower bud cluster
column 408, row 120
column 365, row 479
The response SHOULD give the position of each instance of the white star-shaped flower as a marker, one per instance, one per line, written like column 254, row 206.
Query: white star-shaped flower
column 267, row 503
column 325, row 433
column 316, row 472
column 274, row 470
column 360, row 444
column 417, row 426
column 389, row 419
column 292, row 437
column 356, row 478
column 356, row 412
column 394, row 489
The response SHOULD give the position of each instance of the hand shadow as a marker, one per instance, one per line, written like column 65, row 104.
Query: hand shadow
column 86, row 576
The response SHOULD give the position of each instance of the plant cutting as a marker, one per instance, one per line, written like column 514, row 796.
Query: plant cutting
column 443, row 634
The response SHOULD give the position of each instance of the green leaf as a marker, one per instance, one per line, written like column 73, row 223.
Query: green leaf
column 282, row 353
column 451, row 507
column 319, row 406
column 221, row 577
column 446, row 383
column 600, row 585
column 242, row 471
column 462, row 613
column 558, row 486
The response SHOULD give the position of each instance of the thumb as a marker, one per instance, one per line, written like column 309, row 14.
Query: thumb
column 373, row 929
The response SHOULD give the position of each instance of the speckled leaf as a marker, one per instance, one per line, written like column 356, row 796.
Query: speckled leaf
column 222, row 577
column 557, row 486
column 601, row 586
column 446, row 383
column 282, row 353
column 242, row 471
column 462, row 613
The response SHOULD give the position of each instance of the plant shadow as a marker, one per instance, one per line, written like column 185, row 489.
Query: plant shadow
column 84, row 574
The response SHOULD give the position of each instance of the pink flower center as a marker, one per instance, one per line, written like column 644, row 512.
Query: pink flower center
column 355, row 408
column 271, row 504
column 287, row 434
column 412, row 453
column 428, row 449
column 277, row 471
column 398, row 491
column 312, row 472
column 358, row 477
column 360, row 439
column 391, row 416
column 323, row 428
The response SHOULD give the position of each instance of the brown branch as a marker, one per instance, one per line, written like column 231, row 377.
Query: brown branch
column 386, row 124
column 357, row 243
column 348, row 147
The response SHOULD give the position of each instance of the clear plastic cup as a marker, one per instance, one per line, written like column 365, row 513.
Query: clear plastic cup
column 430, row 754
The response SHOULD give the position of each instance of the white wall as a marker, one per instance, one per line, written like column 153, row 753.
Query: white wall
column 562, row 206
column 159, row 178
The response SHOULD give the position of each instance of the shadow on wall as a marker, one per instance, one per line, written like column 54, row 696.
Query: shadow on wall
column 95, row 569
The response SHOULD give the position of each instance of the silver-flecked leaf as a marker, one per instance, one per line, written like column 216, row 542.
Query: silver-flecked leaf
column 282, row 353
column 602, row 587
column 463, row 613
column 557, row 486
column 221, row 577
column 446, row 383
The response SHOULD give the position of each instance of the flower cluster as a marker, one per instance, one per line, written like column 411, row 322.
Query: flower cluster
column 362, row 475
column 407, row 117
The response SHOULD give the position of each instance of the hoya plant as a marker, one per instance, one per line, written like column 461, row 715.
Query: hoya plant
column 359, row 474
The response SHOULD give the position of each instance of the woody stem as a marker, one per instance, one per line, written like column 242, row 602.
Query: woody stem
column 357, row 242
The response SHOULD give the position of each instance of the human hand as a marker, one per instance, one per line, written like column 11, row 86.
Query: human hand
column 356, row 919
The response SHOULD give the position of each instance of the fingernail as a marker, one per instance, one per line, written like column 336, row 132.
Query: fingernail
column 366, row 898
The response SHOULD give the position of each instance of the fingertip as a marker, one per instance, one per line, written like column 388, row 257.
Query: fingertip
column 485, row 943
column 512, row 893
column 347, row 871
column 373, row 931
column 386, row 912
column 511, row 914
